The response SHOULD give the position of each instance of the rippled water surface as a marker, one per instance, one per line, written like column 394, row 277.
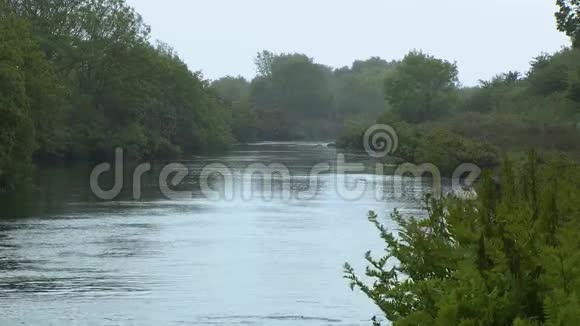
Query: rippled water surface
column 67, row 258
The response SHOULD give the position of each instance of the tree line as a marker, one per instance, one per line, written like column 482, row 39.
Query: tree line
column 81, row 77
column 438, row 120
column 442, row 122
column 294, row 98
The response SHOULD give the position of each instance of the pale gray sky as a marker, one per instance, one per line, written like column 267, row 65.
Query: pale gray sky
column 221, row 37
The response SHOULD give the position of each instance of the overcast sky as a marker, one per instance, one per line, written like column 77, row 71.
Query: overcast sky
column 221, row 37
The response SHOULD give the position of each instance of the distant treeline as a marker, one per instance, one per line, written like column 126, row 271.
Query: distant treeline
column 294, row 98
column 80, row 77
column 440, row 122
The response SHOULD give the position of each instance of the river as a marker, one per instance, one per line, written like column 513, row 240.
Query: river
column 69, row 258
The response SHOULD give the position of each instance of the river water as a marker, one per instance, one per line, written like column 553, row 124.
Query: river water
column 69, row 258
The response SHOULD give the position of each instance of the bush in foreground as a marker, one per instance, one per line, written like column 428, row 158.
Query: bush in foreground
column 511, row 257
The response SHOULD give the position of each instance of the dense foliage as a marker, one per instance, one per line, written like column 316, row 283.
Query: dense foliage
column 442, row 124
column 293, row 97
column 29, row 100
column 235, row 93
column 292, row 90
column 79, row 78
column 568, row 18
column 510, row 257
column 421, row 87
column 359, row 89
column 442, row 147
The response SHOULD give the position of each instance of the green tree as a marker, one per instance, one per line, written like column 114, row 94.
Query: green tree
column 232, row 90
column 121, row 90
column 264, row 61
column 422, row 87
column 491, row 95
column 568, row 19
column 302, row 86
column 358, row 90
column 548, row 74
column 235, row 93
column 29, row 92
column 293, row 87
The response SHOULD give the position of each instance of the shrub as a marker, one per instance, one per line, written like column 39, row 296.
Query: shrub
column 510, row 257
